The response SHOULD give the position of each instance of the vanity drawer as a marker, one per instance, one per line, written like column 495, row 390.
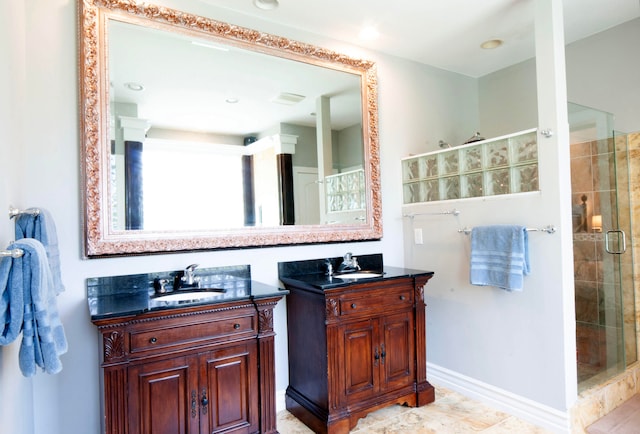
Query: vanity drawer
column 149, row 339
column 376, row 300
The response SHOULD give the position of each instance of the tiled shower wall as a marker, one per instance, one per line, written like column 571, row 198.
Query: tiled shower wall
column 599, row 400
column 593, row 189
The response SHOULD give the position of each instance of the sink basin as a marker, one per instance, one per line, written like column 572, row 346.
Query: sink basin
column 358, row 275
column 187, row 296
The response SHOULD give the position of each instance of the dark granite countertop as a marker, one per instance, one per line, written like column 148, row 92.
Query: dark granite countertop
column 115, row 296
column 312, row 273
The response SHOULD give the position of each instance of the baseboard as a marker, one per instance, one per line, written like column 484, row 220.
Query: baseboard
column 523, row 408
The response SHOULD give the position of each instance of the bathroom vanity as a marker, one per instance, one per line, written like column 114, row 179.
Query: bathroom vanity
column 181, row 365
column 355, row 344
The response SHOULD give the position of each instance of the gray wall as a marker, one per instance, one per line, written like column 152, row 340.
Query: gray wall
column 602, row 73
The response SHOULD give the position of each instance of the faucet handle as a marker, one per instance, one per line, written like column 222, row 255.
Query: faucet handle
column 354, row 263
column 329, row 267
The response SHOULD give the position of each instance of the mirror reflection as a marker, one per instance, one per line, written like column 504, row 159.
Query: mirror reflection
column 199, row 134
column 206, row 135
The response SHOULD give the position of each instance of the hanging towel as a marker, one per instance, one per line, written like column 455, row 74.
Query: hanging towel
column 11, row 300
column 499, row 256
column 43, row 338
column 42, row 227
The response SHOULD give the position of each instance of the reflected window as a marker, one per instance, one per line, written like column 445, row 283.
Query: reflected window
column 169, row 205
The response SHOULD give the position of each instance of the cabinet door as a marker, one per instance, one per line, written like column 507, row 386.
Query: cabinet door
column 361, row 359
column 229, row 390
column 397, row 354
column 162, row 397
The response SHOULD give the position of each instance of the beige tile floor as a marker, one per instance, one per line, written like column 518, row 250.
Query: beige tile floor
column 450, row 413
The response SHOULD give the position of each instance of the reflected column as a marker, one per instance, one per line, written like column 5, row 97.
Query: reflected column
column 134, row 131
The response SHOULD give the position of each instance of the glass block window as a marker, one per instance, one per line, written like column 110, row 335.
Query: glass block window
column 503, row 165
column 345, row 191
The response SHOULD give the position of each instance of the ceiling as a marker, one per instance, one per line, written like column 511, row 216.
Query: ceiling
column 445, row 33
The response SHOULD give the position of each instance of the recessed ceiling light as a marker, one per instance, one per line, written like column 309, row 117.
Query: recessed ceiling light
column 137, row 87
column 266, row 5
column 231, row 100
column 491, row 44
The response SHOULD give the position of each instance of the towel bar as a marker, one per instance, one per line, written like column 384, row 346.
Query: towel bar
column 550, row 229
column 454, row 212
column 14, row 253
column 13, row 212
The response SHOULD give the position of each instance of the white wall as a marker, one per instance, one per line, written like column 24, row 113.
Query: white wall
column 14, row 388
column 39, row 122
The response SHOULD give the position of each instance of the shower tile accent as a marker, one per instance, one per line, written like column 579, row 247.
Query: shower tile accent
column 504, row 165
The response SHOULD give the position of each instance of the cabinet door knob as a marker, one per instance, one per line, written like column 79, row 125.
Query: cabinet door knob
column 153, row 340
column 353, row 305
column 204, row 401
column 402, row 297
column 236, row 326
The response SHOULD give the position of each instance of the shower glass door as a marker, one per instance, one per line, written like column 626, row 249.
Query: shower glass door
column 602, row 262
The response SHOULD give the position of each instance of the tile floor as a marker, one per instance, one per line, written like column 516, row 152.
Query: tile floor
column 450, row 413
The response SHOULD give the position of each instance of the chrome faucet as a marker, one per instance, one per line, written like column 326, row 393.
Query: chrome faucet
column 189, row 278
column 349, row 263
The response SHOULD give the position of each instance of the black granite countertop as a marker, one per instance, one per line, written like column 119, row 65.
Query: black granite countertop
column 312, row 273
column 115, row 296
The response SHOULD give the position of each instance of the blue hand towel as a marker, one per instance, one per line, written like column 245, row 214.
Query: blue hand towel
column 42, row 228
column 11, row 300
column 43, row 338
column 499, row 256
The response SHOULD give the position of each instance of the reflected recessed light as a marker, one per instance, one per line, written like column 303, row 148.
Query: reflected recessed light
column 137, row 87
column 491, row 44
column 231, row 100
column 266, row 5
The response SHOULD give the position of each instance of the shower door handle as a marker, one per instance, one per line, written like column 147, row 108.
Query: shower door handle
column 620, row 234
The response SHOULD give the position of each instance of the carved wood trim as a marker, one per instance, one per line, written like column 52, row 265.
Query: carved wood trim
column 114, row 346
column 100, row 240
column 265, row 321
column 331, row 307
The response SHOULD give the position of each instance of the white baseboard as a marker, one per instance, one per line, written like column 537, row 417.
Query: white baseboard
column 523, row 408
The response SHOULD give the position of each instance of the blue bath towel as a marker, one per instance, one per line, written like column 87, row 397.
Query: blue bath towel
column 42, row 227
column 11, row 300
column 499, row 256
column 43, row 338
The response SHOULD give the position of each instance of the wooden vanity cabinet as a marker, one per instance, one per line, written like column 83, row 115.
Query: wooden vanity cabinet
column 205, row 369
column 355, row 349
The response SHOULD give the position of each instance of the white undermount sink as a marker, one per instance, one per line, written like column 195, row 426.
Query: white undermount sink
column 189, row 295
column 357, row 275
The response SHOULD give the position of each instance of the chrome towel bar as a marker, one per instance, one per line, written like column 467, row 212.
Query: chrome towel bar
column 14, row 253
column 13, row 212
column 550, row 229
column 453, row 212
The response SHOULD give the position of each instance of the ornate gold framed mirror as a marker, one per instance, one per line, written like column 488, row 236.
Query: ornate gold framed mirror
column 199, row 134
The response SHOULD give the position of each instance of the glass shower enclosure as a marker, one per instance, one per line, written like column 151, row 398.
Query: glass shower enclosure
column 603, row 258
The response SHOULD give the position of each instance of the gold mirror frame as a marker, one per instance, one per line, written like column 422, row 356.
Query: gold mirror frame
column 100, row 239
